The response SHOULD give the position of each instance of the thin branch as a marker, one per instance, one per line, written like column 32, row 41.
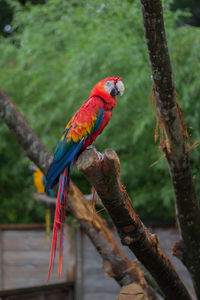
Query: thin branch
column 115, row 262
column 174, row 146
column 104, row 176
column 44, row 199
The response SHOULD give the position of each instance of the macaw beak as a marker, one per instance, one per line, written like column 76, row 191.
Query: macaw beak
column 120, row 87
column 114, row 92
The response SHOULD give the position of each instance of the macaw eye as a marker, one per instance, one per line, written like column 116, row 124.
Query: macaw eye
column 108, row 83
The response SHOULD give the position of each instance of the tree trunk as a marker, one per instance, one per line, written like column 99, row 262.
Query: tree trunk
column 174, row 146
column 104, row 176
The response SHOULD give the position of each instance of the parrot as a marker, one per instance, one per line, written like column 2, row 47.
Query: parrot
column 81, row 131
column 39, row 179
column 40, row 182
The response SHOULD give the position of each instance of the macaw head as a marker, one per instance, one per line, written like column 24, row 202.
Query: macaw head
column 108, row 89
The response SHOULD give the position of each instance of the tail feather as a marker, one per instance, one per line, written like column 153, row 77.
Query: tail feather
column 59, row 219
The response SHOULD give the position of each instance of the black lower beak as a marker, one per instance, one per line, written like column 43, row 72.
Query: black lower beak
column 114, row 91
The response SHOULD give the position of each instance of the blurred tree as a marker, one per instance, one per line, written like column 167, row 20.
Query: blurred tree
column 34, row 2
column 7, row 12
column 6, row 15
column 193, row 6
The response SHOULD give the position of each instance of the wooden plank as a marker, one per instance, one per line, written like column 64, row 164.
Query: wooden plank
column 28, row 268
column 26, row 259
column 40, row 288
column 95, row 280
column 70, row 276
column 79, row 265
column 99, row 296
column 29, row 275
column 24, row 233
column 63, row 291
column 22, row 226
column 29, row 241
column 99, row 284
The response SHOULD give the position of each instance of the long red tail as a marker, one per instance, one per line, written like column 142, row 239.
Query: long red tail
column 59, row 220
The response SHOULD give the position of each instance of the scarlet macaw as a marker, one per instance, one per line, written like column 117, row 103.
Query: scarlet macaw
column 88, row 122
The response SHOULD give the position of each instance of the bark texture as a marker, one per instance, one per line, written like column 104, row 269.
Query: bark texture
column 104, row 176
column 116, row 264
column 174, row 146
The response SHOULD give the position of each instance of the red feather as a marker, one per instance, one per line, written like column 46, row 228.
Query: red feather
column 59, row 220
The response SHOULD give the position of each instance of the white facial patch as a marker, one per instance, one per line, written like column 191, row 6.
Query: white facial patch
column 120, row 87
column 109, row 85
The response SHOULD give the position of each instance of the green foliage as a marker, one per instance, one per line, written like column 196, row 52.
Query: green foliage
column 55, row 55
column 6, row 15
column 192, row 6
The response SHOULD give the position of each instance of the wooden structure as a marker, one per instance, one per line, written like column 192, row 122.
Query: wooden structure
column 63, row 291
column 24, row 258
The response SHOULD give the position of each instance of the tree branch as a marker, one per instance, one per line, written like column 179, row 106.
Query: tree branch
column 174, row 146
column 116, row 264
column 104, row 176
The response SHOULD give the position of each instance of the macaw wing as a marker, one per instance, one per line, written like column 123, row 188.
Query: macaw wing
column 81, row 127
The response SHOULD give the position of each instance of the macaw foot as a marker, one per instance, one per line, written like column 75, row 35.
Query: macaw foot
column 99, row 154
column 91, row 147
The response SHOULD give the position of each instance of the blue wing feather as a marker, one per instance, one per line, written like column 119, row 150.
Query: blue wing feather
column 66, row 151
column 58, row 166
column 99, row 119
